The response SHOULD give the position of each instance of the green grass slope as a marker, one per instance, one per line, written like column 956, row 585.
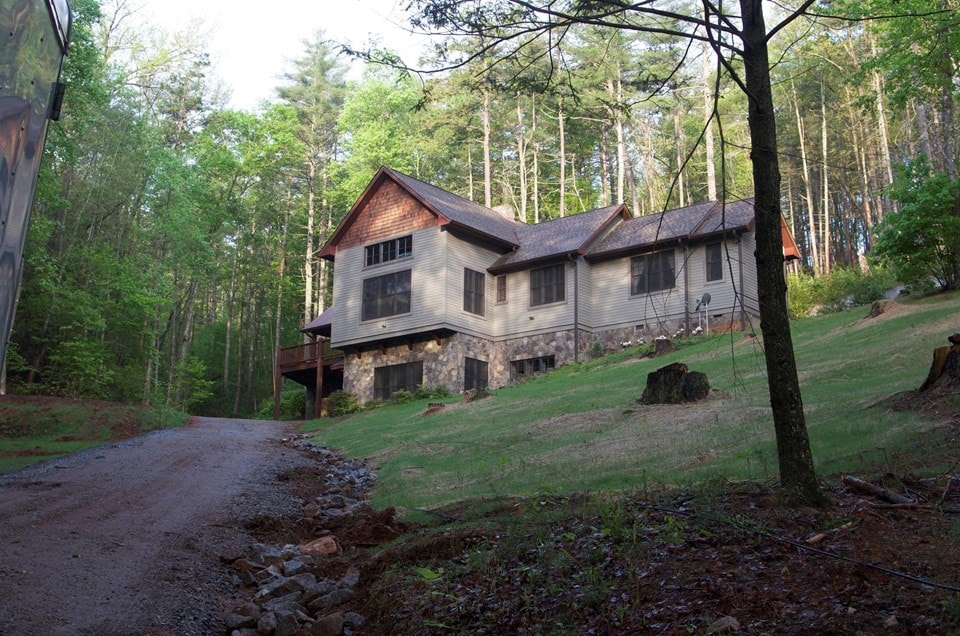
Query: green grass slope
column 580, row 428
column 33, row 428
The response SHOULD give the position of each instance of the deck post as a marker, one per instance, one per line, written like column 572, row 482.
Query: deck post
column 318, row 400
column 277, row 379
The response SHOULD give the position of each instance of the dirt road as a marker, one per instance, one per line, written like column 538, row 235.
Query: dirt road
column 123, row 539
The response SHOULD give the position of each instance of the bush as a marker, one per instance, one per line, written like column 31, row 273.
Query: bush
column 343, row 403
column 802, row 292
column 402, row 396
column 293, row 404
column 842, row 288
column 921, row 240
column 438, row 392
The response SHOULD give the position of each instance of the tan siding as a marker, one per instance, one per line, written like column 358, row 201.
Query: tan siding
column 390, row 212
column 460, row 255
column 750, row 293
column 517, row 318
column 426, row 291
column 724, row 304
column 586, row 294
column 614, row 306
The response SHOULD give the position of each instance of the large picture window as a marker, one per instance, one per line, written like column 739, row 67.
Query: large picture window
column 714, row 261
column 390, row 379
column 473, row 291
column 387, row 251
column 547, row 285
column 652, row 273
column 474, row 374
column 386, row 295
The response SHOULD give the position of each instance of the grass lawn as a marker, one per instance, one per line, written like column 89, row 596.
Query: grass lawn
column 580, row 428
column 33, row 429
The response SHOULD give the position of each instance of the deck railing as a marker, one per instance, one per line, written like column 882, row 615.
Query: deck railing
column 306, row 354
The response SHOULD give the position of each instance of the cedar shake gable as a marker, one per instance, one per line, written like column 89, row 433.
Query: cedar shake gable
column 570, row 235
column 448, row 209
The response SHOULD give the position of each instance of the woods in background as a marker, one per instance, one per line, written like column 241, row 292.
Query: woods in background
column 173, row 243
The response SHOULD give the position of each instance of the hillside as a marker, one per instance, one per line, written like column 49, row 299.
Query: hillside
column 562, row 506
column 580, row 428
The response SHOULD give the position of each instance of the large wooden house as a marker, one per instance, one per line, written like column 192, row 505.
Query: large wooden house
column 433, row 289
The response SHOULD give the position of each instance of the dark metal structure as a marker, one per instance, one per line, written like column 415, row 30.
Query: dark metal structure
column 34, row 37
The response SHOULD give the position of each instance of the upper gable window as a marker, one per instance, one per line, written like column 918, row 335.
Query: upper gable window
column 652, row 273
column 547, row 285
column 714, row 261
column 387, row 251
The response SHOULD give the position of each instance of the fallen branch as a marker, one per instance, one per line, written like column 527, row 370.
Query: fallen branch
column 817, row 538
column 877, row 491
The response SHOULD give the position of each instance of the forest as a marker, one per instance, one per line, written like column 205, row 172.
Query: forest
column 173, row 242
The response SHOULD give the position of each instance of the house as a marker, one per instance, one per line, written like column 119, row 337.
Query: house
column 433, row 289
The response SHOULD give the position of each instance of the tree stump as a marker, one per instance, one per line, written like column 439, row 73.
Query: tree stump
column 945, row 364
column 662, row 346
column 675, row 384
column 880, row 307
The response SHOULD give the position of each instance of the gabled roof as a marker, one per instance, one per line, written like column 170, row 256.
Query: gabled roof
column 559, row 237
column 449, row 209
column 695, row 221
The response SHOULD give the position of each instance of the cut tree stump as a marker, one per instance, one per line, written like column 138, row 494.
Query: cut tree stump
column 675, row 384
column 662, row 346
column 945, row 364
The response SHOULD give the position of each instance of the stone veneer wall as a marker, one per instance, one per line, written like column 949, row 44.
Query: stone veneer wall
column 443, row 363
column 616, row 339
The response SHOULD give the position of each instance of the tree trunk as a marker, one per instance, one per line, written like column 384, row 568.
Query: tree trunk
column 678, row 146
column 229, row 327
column 487, row 169
column 308, row 314
column 522, row 160
column 797, row 476
column 811, row 211
column 708, row 102
column 826, row 183
column 562, row 158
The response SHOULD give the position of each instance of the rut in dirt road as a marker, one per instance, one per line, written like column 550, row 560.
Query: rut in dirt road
column 122, row 539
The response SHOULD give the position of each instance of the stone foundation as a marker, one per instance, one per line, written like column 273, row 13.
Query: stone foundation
column 443, row 363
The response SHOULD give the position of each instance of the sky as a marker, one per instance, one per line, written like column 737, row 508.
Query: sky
column 250, row 48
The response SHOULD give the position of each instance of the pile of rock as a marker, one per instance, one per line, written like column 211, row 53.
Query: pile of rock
column 286, row 597
column 289, row 599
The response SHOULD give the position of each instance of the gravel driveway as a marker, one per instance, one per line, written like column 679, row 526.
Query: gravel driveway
column 124, row 538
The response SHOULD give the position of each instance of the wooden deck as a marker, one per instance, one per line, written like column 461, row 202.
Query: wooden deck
column 305, row 364
column 305, row 356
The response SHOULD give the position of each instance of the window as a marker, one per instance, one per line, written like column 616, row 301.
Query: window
column 502, row 288
column 474, row 374
column 547, row 285
column 386, row 295
column 714, row 261
column 473, row 290
column 388, row 250
column 652, row 273
column 390, row 379
column 531, row 366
